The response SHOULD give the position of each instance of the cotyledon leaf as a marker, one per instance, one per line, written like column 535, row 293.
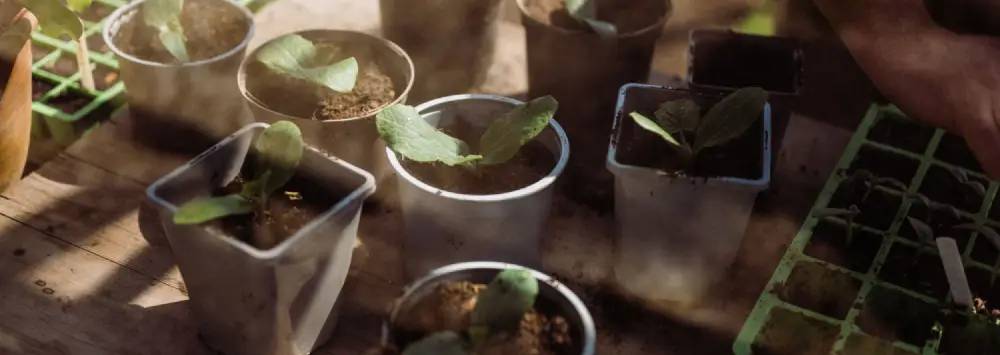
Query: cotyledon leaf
column 505, row 300
column 586, row 11
column 730, row 117
column 293, row 54
column 206, row 209
column 678, row 115
column 279, row 150
column 165, row 17
column 78, row 6
column 408, row 134
column 55, row 19
column 507, row 134
column 652, row 126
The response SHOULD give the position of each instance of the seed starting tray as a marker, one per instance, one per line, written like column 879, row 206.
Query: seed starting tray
column 62, row 109
column 884, row 291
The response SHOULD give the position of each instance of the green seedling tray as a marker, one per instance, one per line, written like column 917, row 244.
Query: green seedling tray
column 62, row 109
column 884, row 292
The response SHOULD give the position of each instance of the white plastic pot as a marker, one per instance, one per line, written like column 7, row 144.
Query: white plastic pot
column 550, row 291
column 676, row 235
column 270, row 302
column 444, row 227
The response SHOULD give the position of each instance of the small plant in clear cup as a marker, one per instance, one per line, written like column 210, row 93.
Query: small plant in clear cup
column 58, row 19
column 165, row 17
column 278, row 151
column 585, row 11
column 498, row 309
column 409, row 135
column 681, row 124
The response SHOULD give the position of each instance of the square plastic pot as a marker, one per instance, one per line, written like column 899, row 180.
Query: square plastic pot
column 251, row 301
column 676, row 235
column 184, row 107
column 444, row 227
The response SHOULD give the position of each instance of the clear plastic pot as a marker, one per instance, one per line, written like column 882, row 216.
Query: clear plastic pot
column 444, row 227
column 550, row 291
column 269, row 302
column 676, row 236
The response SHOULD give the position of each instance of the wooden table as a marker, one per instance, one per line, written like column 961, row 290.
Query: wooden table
column 84, row 268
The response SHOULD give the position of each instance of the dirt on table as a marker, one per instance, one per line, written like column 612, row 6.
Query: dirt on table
column 212, row 27
column 373, row 90
column 627, row 16
column 299, row 202
column 450, row 307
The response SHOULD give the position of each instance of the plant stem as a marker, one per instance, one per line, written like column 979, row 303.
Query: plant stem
column 83, row 64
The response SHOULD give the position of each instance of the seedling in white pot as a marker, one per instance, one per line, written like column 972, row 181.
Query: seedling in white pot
column 688, row 163
column 474, row 163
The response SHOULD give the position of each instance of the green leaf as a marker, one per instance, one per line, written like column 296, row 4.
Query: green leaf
column 507, row 134
column 730, row 117
column 292, row 54
column 679, row 115
column 55, row 19
column 409, row 135
column 440, row 343
column 78, row 6
column 206, row 209
column 279, row 150
column 651, row 126
column 924, row 232
column 165, row 16
column 505, row 300
column 586, row 11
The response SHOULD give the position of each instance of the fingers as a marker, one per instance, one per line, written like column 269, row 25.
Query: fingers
column 983, row 137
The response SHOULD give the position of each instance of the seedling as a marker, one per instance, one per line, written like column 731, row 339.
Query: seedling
column 499, row 308
column 926, row 235
column 278, row 151
column 848, row 214
column 296, row 57
column 58, row 19
column 963, row 177
column 409, row 135
column 870, row 181
column 165, row 17
column 726, row 120
column 585, row 11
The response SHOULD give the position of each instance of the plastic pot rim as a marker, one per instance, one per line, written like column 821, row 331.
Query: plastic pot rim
column 241, row 77
column 617, row 167
column 364, row 190
column 113, row 22
column 541, row 184
column 587, row 325
column 658, row 25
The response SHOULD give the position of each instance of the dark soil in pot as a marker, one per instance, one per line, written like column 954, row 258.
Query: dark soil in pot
column 970, row 335
column 533, row 162
column 892, row 315
column 919, row 271
column 884, row 164
column 820, row 289
column 630, row 16
column 790, row 333
column 877, row 209
column 829, row 243
column 953, row 149
column 373, row 90
column 739, row 158
column 901, row 133
column 941, row 220
column 449, row 307
column 860, row 344
column 212, row 28
column 300, row 201
column 941, row 185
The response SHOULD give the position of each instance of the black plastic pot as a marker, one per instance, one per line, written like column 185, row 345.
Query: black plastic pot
column 584, row 72
column 722, row 61
column 451, row 42
column 184, row 107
